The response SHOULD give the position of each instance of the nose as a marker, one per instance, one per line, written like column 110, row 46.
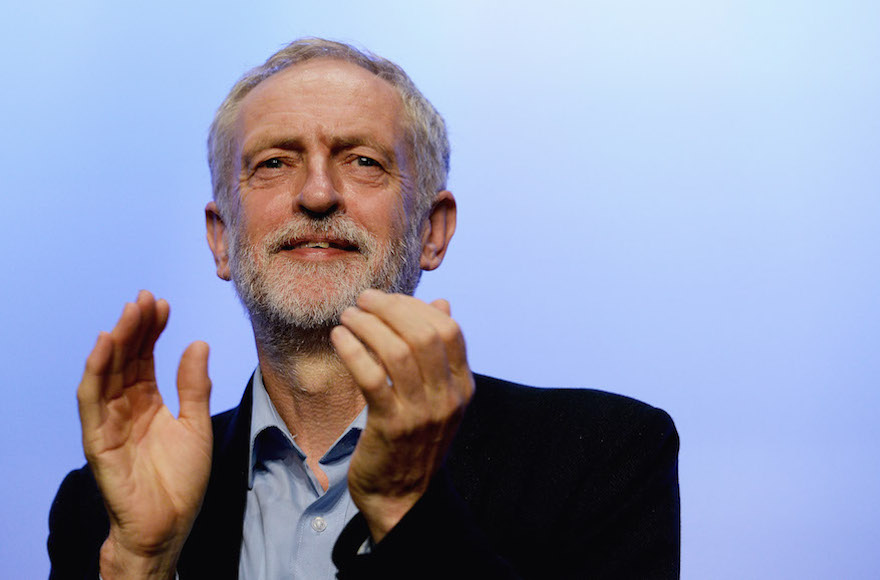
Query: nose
column 318, row 196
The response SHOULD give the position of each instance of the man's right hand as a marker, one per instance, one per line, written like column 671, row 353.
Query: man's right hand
column 152, row 469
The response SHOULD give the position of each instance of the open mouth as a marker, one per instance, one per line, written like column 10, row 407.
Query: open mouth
column 320, row 245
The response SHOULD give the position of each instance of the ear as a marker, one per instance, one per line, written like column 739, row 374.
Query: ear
column 438, row 230
column 217, row 240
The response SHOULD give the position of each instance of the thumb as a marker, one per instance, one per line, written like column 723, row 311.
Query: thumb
column 194, row 386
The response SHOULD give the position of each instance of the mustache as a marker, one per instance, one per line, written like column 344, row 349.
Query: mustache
column 339, row 228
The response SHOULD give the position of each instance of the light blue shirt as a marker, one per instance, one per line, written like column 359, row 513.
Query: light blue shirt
column 290, row 522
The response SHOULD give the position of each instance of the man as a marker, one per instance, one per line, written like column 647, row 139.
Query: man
column 363, row 431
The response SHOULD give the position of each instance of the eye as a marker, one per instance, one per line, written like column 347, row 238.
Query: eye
column 363, row 161
column 273, row 163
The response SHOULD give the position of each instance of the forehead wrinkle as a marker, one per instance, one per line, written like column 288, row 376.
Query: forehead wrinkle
column 265, row 99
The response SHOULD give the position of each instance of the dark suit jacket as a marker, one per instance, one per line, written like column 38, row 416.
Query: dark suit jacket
column 539, row 483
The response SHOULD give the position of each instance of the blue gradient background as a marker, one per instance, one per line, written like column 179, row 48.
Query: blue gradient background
column 678, row 201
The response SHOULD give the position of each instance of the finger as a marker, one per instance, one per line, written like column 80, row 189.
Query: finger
column 89, row 394
column 194, row 386
column 163, row 311
column 124, row 337
column 154, row 318
column 434, row 336
column 369, row 375
column 443, row 306
column 405, row 314
column 146, row 305
column 452, row 336
column 430, row 332
column 393, row 352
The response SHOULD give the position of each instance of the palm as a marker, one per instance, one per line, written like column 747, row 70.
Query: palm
column 151, row 467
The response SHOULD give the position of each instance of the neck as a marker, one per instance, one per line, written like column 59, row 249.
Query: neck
column 311, row 389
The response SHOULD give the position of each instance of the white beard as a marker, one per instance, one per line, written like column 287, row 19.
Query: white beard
column 287, row 297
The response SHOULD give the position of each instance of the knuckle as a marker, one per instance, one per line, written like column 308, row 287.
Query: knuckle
column 457, row 404
column 468, row 394
column 468, row 388
column 449, row 331
column 399, row 354
column 402, row 428
column 399, row 432
column 375, row 380
column 426, row 338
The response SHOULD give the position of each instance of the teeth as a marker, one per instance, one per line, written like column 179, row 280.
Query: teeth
column 315, row 245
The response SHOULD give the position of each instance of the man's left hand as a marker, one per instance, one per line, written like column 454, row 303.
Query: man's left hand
column 408, row 358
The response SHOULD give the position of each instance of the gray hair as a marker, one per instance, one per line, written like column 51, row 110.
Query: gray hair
column 426, row 131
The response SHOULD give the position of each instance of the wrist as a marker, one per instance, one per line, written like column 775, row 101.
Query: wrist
column 117, row 562
column 383, row 513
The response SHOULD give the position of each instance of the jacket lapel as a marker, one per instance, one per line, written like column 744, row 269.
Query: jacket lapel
column 214, row 545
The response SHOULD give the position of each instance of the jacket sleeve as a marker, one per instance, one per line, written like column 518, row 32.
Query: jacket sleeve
column 437, row 538
column 78, row 526
column 638, row 534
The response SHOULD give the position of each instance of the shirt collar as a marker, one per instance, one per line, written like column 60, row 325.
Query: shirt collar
column 264, row 416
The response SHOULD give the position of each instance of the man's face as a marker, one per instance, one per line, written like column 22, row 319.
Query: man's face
column 323, row 186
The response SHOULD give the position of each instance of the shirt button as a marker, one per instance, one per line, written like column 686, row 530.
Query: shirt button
column 319, row 524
